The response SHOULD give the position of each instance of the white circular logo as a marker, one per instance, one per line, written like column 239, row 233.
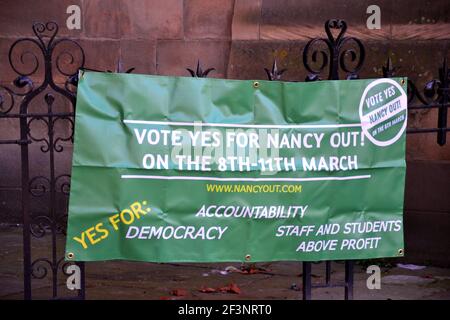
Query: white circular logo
column 383, row 112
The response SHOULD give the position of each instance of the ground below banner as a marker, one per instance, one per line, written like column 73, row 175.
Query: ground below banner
column 281, row 280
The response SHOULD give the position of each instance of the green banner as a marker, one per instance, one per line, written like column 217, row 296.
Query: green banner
column 181, row 169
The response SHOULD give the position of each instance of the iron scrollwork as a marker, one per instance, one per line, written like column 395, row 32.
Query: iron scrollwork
column 335, row 53
column 436, row 95
column 52, row 61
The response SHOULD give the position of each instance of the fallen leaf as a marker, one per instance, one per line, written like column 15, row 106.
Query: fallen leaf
column 178, row 292
column 234, row 288
column 231, row 288
column 254, row 270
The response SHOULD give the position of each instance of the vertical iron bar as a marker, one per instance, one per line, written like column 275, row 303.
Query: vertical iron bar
column 82, row 291
column 444, row 99
column 49, row 99
column 328, row 273
column 25, row 212
column 306, row 281
column 333, row 75
column 334, row 65
column 442, row 122
column 349, row 280
column 52, row 205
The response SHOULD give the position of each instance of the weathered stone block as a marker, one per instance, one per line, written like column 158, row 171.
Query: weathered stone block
column 173, row 57
column 102, row 18
column 208, row 19
column 246, row 20
column 249, row 58
column 154, row 19
column 101, row 54
column 139, row 54
column 420, row 20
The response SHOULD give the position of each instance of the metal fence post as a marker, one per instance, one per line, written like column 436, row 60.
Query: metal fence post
column 349, row 280
column 25, row 211
column 307, row 286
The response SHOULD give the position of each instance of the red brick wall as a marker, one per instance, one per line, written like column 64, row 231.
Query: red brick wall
column 240, row 38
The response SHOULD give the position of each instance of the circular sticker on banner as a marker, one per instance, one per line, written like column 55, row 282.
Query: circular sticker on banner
column 383, row 112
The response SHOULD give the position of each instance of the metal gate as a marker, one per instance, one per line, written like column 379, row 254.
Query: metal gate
column 32, row 102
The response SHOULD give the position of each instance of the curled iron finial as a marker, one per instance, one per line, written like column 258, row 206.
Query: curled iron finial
column 274, row 74
column 199, row 73
column 45, row 30
column 338, row 24
column 334, row 53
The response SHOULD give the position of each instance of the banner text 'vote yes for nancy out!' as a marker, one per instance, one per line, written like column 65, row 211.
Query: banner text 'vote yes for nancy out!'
column 208, row 170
